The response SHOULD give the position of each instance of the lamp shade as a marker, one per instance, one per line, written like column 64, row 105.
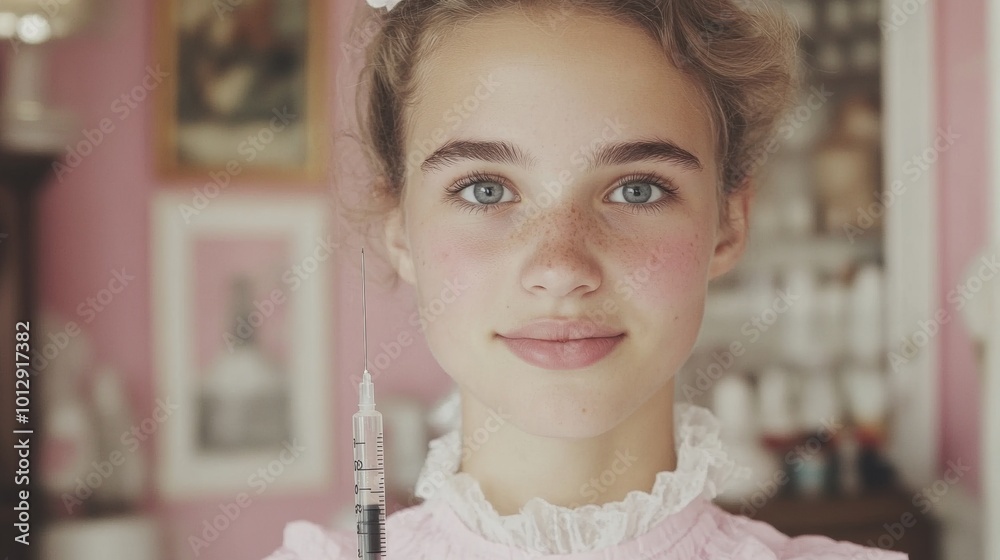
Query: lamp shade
column 33, row 22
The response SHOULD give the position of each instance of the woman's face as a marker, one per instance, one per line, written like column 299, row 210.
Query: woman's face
column 560, row 169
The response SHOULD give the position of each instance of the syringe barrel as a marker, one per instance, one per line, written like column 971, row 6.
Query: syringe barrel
column 369, row 458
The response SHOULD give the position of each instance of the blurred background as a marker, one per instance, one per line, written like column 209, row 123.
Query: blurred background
column 175, row 265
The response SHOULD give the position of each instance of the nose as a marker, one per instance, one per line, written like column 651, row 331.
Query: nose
column 562, row 263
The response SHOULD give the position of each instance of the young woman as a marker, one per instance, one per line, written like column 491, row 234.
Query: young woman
column 577, row 172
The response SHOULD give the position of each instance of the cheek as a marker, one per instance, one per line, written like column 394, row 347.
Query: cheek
column 450, row 267
column 669, row 273
column 453, row 296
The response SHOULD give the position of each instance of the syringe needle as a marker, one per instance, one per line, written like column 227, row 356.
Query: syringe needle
column 364, row 310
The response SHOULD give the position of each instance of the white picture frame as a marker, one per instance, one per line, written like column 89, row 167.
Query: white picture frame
column 990, row 439
column 182, row 226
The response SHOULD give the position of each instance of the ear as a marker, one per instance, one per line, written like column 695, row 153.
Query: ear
column 733, row 231
column 398, row 245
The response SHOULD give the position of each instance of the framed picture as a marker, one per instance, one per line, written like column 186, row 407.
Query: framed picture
column 244, row 89
column 242, row 343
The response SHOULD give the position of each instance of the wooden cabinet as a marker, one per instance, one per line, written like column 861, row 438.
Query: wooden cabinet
column 887, row 520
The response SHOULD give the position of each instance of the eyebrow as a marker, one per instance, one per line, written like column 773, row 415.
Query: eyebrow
column 610, row 154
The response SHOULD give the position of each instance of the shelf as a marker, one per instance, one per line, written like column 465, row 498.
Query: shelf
column 827, row 254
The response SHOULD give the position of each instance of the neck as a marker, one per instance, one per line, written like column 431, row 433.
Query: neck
column 513, row 467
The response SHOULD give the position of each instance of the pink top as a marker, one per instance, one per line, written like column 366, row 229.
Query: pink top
column 675, row 521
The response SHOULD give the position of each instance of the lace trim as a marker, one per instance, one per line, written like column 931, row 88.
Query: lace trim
column 703, row 469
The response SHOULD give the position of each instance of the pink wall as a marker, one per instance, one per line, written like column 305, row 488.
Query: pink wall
column 96, row 220
column 963, row 205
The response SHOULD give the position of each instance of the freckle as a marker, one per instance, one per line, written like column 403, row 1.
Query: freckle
column 583, row 411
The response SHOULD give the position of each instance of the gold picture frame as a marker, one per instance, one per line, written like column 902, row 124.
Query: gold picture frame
column 244, row 95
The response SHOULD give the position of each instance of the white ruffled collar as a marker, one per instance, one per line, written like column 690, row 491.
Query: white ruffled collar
column 703, row 468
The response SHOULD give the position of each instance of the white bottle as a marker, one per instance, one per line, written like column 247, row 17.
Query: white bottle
column 70, row 444
column 733, row 404
column 820, row 407
column 802, row 325
column 774, row 393
column 865, row 318
column 866, row 394
column 123, row 487
column 70, row 447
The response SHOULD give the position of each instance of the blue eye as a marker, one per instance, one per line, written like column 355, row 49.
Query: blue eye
column 479, row 192
column 644, row 192
column 485, row 193
column 638, row 193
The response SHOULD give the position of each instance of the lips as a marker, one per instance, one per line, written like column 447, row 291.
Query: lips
column 561, row 344
column 562, row 329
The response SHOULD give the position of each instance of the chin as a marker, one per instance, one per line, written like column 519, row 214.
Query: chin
column 568, row 418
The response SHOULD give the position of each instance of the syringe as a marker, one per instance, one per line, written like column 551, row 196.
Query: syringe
column 369, row 458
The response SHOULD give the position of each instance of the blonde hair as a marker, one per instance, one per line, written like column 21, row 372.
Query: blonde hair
column 741, row 56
